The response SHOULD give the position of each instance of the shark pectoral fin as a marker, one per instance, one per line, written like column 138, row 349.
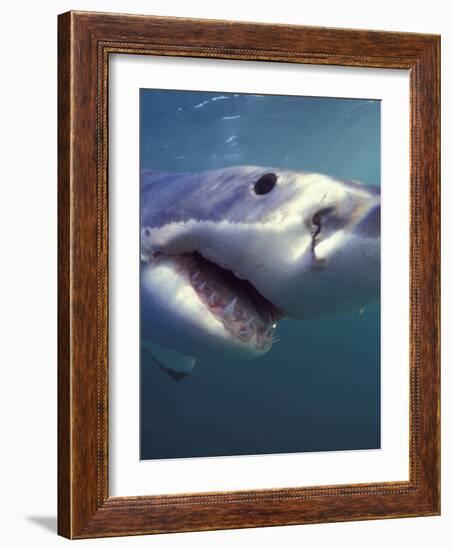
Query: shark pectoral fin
column 175, row 364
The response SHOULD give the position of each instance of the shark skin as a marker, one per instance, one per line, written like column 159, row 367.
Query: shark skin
column 226, row 254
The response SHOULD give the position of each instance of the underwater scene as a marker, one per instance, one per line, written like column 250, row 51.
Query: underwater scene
column 260, row 274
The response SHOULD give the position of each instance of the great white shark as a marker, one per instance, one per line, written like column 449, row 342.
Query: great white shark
column 227, row 253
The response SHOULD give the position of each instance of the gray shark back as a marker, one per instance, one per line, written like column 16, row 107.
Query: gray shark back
column 214, row 195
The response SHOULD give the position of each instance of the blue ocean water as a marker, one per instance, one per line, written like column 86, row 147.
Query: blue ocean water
column 318, row 389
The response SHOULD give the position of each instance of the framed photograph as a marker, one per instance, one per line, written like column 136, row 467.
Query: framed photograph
column 248, row 275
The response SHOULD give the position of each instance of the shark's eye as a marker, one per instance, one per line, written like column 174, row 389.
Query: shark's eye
column 265, row 184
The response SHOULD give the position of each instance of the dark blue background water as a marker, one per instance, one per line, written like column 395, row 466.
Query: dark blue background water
column 317, row 389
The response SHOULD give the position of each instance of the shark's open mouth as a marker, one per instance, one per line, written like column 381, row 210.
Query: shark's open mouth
column 235, row 302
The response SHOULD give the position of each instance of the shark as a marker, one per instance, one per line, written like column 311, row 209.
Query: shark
column 226, row 254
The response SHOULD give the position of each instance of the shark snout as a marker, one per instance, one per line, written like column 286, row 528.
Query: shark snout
column 369, row 226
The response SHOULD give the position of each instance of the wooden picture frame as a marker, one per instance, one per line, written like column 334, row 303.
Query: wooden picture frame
column 85, row 42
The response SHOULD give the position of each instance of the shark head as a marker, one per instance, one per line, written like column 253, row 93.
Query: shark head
column 227, row 253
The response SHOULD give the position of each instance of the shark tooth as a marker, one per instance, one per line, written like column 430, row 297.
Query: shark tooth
column 244, row 332
column 254, row 341
column 228, row 311
column 202, row 286
column 212, row 299
column 249, row 322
